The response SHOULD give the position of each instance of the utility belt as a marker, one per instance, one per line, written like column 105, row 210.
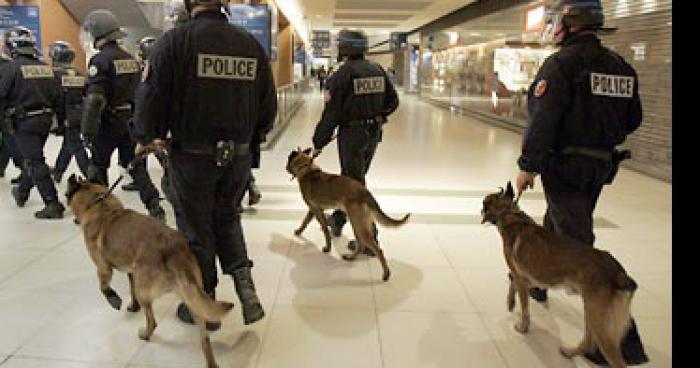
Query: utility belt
column 20, row 112
column 367, row 123
column 116, row 110
column 223, row 152
column 614, row 156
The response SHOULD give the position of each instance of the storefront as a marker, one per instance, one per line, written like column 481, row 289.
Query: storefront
column 486, row 64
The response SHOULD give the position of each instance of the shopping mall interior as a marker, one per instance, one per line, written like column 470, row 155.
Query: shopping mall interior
column 462, row 69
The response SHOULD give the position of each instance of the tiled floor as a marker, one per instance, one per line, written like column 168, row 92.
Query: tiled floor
column 443, row 307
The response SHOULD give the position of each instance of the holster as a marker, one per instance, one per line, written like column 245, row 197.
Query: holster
column 617, row 158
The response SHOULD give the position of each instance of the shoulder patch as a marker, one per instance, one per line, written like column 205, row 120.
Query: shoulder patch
column 541, row 88
column 126, row 66
column 607, row 85
column 371, row 85
column 92, row 71
column 36, row 71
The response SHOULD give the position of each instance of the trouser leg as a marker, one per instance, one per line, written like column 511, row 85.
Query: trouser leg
column 32, row 148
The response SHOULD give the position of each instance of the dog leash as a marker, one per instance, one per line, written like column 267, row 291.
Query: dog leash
column 109, row 191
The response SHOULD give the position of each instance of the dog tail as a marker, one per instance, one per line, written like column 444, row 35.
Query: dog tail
column 190, row 290
column 382, row 217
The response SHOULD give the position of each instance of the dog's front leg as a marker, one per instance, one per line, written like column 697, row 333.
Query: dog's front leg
column 304, row 223
column 205, row 342
column 105, row 276
column 134, row 305
column 321, row 218
column 521, row 285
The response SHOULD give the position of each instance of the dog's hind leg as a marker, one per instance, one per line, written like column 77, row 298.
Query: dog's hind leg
column 304, row 223
column 586, row 344
column 510, row 300
column 206, row 343
column 144, row 297
column 367, row 239
column 134, row 305
column 521, row 285
column 147, row 332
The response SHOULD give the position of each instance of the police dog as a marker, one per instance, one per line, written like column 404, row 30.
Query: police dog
column 323, row 191
column 157, row 258
column 541, row 258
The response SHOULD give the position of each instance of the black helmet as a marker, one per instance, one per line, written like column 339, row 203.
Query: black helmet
column 145, row 46
column 61, row 52
column 20, row 40
column 101, row 24
column 189, row 4
column 352, row 43
column 587, row 14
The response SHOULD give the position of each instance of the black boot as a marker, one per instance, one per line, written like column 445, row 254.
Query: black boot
column 184, row 315
column 254, row 194
column 155, row 210
column 538, row 294
column 252, row 309
column 336, row 227
column 131, row 187
column 632, row 350
column 16, row 180
column 20, row 198
column 53, row 210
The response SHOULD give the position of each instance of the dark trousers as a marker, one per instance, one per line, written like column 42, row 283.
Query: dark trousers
column 208, row 198
column 72, row 147
column 31, row 146
column 9, row 150
column 356, row 147
column 112, row 137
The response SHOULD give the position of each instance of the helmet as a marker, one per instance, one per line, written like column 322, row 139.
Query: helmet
column 584, row 14
column 351, row 43
column 189, row 4
column 20, row 40
column 102, row 24
column 145, row 46
column 61, row 52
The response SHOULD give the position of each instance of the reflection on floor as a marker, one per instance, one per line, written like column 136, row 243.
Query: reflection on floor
column 443, row 307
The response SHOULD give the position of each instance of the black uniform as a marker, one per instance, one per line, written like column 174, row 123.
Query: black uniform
column 359, row 97
column 583, row 102
column 115, row 73
column 8, row 146
column 73, row 83
column 208, row 83
column 32, row 95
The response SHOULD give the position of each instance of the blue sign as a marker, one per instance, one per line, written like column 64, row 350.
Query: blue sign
column 21, row 15
column 256, row 19
column 300, row 56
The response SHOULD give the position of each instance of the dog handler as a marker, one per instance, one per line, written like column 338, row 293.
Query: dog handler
column 583, row 103
column 210, row 85
column 359, row 97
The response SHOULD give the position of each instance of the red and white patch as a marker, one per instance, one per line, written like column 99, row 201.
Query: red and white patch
column 541, row 88
column 146, row 72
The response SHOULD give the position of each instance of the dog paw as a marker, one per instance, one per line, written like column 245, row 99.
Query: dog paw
column 113, row 299
column 134, row 307
column 568, row 352
column 386, row 275
column 144, row 334
column 326, row 249
column 522, row 327
column 298, row 232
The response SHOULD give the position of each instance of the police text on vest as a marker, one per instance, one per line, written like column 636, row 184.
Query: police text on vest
column 126, row 66
column 36, row 71
column 364, row 86
column 73, row 82
column 612, row 85
column 226, row 67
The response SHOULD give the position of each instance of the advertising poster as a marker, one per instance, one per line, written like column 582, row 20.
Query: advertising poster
column 21, row 15
column 255, row 18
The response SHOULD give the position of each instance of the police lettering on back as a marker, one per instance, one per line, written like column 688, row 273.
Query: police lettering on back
column 226, row 67
column 612, row 85
column 371, row 85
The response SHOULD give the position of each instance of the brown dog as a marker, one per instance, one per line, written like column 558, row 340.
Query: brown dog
column 323, row 191
column 157, row 258
column 541, row 258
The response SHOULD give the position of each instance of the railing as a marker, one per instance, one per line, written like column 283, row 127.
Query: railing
column 289, row 100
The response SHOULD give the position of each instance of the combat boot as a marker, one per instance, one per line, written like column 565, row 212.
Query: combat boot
column 254, row 194
column 155, row 210
column 336, row 228
column 53, row 210
column 538, row 294
column 632, row 350
column 252, row 309
column 20, row 198
column 184, row 315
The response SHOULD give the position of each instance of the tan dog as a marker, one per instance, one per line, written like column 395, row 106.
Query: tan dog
column 323, row 191
column 541, row 258
column 157, row 258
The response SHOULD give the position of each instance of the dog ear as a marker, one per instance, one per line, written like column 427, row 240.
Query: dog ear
column 509, row 191
column 308, row 151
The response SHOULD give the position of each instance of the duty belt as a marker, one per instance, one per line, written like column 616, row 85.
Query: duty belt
column 366, row 122
column 42, row 111
column 600, row 154
column 238, row 149
column 124, row 107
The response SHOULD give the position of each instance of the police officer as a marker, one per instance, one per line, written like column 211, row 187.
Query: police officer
column 583, row 102
column 8, row 146
column 209, row 84
column 359, row 97
column 62, row 55
column 113, row 76
column 31, row 96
